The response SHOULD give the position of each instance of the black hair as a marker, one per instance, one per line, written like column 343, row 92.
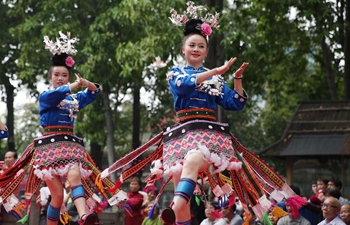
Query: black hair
column 15, row 156
column 337, row 183
column 214, row 204
column 334, row 192
column 325, row 181
column 60, row 60
column 193, row 26
column 234, row 207
column 296, row 189
column 136, row 179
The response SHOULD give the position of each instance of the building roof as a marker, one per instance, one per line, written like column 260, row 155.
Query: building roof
column 317, row 128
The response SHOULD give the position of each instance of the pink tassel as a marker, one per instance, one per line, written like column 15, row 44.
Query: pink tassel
column 232, row 200
column 27, row 202
column 104, row 204
column 217, row 214
column 295, row 203
column 116, row 186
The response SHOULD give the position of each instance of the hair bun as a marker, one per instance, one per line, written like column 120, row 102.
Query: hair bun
column 60, row 60
column 193, row 26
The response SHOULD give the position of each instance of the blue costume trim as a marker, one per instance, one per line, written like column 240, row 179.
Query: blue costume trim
column 187, row 222
column 53, row 213
column 78, row 192
column 185, row 188
column 4, row 134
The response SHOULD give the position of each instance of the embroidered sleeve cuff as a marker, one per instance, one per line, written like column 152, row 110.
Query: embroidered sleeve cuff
column 96, row 90
column 245, row 95
column 98, row 86
column 240, row 97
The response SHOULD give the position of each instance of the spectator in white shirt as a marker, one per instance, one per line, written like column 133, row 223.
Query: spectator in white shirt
column 330, row 211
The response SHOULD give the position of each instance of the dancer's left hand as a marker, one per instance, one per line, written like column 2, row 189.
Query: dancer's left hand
column 240, row 71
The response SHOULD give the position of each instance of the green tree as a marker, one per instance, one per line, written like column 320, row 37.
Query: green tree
column 8, row 68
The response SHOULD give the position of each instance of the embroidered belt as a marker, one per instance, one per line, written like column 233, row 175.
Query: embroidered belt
column 197, row 113
column 180, row 129
column 45, row 140
column 48, row 130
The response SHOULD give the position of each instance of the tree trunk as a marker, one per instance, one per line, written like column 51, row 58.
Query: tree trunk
column 96, row 153
column 136, row 118
column 10, row 116
column 327, row 64
column 109, row 126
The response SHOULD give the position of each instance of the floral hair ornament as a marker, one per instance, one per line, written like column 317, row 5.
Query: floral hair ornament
column 209, row 21
column 62, row 48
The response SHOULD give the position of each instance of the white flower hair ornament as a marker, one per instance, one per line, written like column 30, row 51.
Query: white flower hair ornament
column 192, row 19
column 62, row 49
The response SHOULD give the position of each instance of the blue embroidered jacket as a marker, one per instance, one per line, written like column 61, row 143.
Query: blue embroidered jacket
column 59, row 107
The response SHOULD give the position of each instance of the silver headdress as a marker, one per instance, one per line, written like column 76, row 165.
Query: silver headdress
column 63, row 44
column 194, row 12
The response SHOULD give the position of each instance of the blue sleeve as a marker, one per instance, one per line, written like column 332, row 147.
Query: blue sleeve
column 87, row 96
column 231, row 100
column 180, row 83
column 50, row 99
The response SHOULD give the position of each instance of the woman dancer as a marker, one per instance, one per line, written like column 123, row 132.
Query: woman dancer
column 198, row 141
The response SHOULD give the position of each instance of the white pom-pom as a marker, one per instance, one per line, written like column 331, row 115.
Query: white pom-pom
column 223, row 166
column 205, row 151
column 214, row 158
column 157, row 167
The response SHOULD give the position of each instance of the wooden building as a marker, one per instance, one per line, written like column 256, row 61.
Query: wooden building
column 315, row 144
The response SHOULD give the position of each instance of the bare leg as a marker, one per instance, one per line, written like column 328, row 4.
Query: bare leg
column 74, row 179
column 176, row 179
column 192, row 165
column 56, row 190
